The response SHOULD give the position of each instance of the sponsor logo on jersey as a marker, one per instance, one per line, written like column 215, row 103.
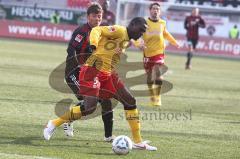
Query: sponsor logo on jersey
column 111, row 29
column 78, row 38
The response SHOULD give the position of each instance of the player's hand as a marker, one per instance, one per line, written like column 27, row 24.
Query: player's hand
column 178, row 45
column 142, row 46
column 119, row 51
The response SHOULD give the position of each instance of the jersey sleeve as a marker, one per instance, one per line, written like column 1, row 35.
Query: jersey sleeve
column 186, row 23
column 77, row 42
column 169, row 37
column 106, row 31
column 202, row 23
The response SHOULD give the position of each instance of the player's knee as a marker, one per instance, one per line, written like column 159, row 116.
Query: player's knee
column 89, row 111
column 106, row 105
column 130, row 104
column 150, row 82
column 89, row 107
column 132, row 101
column 105, row 102
column 79, row 97
column 189, row 54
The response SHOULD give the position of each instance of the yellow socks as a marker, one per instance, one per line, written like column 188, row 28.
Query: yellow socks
column 157, row 89
column 151, row 91
column 73, row 114
column 132, row 117
column 157, row 92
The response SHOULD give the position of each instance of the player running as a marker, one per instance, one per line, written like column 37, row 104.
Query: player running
column 153, row 46
column 78, row 51
column 192, row 24
column 99, row 80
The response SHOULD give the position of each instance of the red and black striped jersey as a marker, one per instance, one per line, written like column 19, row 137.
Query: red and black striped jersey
column 78, row 46
column 192, row 24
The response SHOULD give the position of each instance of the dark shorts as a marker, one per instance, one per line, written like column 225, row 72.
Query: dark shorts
column 72, row 80
column 192, row 42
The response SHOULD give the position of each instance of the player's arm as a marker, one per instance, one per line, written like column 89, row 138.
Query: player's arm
column 138, row 43
column 186, row 26
column 201, row 23
column 106, row 31
column 170, row 38
column 76, row 43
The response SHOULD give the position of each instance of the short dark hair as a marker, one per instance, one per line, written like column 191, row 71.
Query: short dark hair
column 153, row 4
column 139, row 21
column 94, row 8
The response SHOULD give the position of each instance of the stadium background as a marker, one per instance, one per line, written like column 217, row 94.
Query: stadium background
column 200, row 115
column 28, row 19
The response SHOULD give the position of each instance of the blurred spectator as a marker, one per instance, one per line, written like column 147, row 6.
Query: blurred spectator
column 234, row 32
column 55, row 18
column 108, row 16
column 192, row 24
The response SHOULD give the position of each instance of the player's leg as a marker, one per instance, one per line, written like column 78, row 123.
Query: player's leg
column 107, row 117
column 75, row 113
column 155, row 70
column 73, row 82
column 89, row 88
column 150, row 82
column 159, row 70
column 132, row 116
column 189, row 54
column 71, row 77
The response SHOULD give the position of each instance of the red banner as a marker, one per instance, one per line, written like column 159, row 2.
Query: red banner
column 209, row 45
column 36, row 30
column 62, row 33
column 78, row 3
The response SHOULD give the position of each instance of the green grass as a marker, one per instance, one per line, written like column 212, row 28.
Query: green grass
column 211, row 91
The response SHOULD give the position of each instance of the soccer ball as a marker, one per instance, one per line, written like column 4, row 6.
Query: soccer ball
column 122, row 145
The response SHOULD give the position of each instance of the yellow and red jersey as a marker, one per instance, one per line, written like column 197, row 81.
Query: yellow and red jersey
column 107, row 40
column 154, row 38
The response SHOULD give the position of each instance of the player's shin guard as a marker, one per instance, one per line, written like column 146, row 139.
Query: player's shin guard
column 73, row 114
column 108, row 123
column 132, row 117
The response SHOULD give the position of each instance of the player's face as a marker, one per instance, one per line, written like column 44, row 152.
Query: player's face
column 137, row 31
column 195, row 12
column 155, row 12
column 94, row 19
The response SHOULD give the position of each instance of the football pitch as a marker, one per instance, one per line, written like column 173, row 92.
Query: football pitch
column 199, row 118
